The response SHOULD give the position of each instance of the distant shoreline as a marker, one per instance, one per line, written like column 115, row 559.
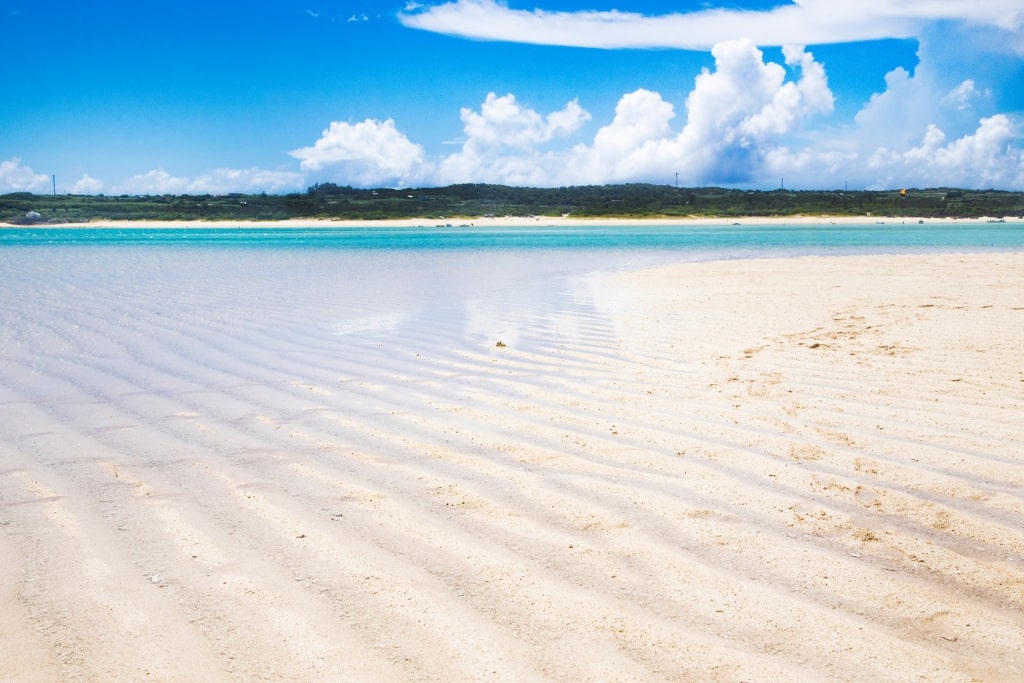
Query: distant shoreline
column 539, row 221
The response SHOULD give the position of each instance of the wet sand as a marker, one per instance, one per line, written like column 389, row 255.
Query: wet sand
column 768, row 470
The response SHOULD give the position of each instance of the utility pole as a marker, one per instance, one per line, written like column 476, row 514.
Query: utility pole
column 54, row 177
column 677, row 180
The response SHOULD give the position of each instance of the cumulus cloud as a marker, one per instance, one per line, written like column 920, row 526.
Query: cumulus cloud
column 737, row 114
column 219, row 181
column 502, row 141
column 802, row 22
column 225, row 180
column 15, row 177
column 936, row 94
column 747, row 121
column 371, row 152
column 157, row 181
column 632, row 146
column 503, row 122
column 984, row 158
column 942, row 96
column 87, row 185
column 962, row 96
column 915, row 133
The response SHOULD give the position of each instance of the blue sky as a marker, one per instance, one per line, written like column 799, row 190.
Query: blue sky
column 185, row 97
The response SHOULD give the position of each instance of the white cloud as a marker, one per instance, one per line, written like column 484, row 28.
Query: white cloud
column 157, row 181
column 226, row 180
column 802, row 22
column 748, row 121
column 982, row 159
column 963, row 96
column 937, row 93
column 503, row 122
column 747, row 99
column 736, row 116
column 371, row 152
column 640, row 117
column 887, row 116
column 14, row 177
column 87, row 185
column 502, row 142
column 219, row 181
column 916, row 133
column 630, row 146
column 893, row 139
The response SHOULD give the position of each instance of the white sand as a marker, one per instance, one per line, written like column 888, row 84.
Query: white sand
column 773, row 470
column 563, row 221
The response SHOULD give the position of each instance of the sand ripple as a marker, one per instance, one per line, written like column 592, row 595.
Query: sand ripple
column 795, row 470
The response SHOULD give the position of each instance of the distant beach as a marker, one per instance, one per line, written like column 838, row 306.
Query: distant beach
column 240, row 464
column 565, row 221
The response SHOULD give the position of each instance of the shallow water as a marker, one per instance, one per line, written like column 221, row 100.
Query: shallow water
column 696, row 240
column 293, row 455
column 439, row 286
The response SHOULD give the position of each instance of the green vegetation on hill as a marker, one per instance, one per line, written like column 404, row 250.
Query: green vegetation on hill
column 331, row 201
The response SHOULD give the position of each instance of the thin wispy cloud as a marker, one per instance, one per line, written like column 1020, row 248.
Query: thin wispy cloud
column 805, row 22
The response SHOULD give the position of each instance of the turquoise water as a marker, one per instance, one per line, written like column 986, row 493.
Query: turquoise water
column 433, row 288
column 707, row 241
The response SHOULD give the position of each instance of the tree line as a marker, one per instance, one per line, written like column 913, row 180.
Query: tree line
column 636, row 200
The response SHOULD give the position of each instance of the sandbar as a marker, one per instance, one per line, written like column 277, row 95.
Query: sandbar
column 800, row 469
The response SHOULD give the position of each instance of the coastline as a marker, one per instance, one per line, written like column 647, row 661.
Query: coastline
column 538, row 221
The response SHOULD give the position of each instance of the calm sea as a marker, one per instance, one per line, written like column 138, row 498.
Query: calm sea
column 693, row 241
column 442, row 288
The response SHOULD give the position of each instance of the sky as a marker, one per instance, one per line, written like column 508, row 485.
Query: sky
column 176, row 97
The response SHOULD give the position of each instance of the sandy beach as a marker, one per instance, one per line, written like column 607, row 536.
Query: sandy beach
column 806, row 469
column 558, row 221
